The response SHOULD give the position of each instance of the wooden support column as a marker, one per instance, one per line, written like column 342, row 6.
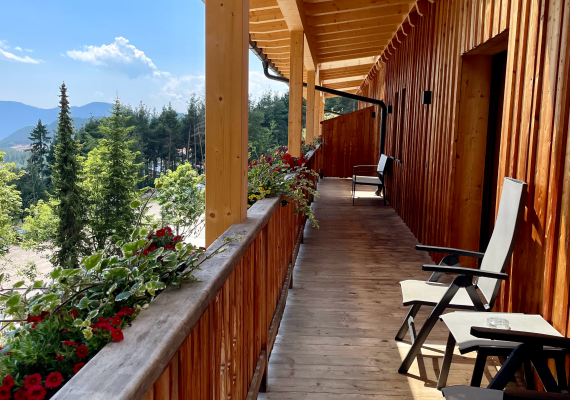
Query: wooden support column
column 296, row 93
column 318, row 97
column 227, row 36
column 321, row 113
column 311, row 107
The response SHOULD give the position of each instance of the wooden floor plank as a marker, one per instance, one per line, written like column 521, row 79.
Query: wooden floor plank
column 336, row 339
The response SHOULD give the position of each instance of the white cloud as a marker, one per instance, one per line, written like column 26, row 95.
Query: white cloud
column 28, row 50
column 258, row 84
column 4, row 55
column 118, row 56
column 3, row 45
column 177, row 90
column 18, row 48
column 99, row 94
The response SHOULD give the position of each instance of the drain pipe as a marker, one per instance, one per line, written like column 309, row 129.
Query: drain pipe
column 383, row 108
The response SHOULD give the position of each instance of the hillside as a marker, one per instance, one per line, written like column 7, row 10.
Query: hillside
column 15, row 115
column 20, row 137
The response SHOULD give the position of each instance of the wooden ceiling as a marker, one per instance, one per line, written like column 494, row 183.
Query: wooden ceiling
column 343, row 39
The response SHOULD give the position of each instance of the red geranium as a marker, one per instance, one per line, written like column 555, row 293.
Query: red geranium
column 73, row 313
column 35, row 319
column 5, row 392
column 20, row 394
column 81, row 351
column 169, row 247
column 77, row 367
column 116, row 320
column 36, row 392
column 32, row 380
column 70, row 343
column 117, row 335
column 59, row 358
column 126, row 311
column 8, row 381
column 160, row 233
column 177, row 239
column 53, row 380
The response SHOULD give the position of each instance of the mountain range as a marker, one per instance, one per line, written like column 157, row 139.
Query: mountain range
column 17, row 120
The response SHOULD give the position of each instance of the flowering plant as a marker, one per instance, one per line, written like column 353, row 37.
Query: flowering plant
column 281, row 174
column 58, row 326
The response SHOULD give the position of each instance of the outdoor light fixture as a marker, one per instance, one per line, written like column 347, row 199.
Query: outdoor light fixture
column 389, row 109
column 426, row 97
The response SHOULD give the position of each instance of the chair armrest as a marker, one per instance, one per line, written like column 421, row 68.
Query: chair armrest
column 447, row 250
column 537, row 339
column 365, row 165
column 364, row 172
column 465, row 271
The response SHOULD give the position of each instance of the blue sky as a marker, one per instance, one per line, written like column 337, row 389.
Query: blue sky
column 145, row 50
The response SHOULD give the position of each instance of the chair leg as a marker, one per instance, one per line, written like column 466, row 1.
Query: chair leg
column 509, row 368
column 384, row 194
column 442, row 381
column 560, row 362
column 479, row 368
column 427, row 327
column 404, row 328
column 353, row 192
column 545, row 375
column 528, row 375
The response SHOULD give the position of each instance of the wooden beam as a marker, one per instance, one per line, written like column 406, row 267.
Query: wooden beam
column 308, row 56
column 413, row 18
column 318, row 99
column 261, row 4
column 344, row 84
column 347, row 55
column 270, row 36
column 277, row 50
column 294, row 14
column 310, row 120
column 332, row 7
column 337, row 80
column 267, row 44
column 383, row 37
column 270, row 14
column 365, row 61
column 296, row 93
column 387, row 31
column 391, row 22
column 267, row 27
column 422, row 7
column 227, row 66
column 359, row 15
column 406, row 28
column 379, row 45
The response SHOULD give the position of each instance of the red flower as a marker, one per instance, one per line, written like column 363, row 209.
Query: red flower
column 8, row 353
column 177, row 239
column 53, row 380
column 117, row 335
column 168, row 229
column 73, row 313
column 77, row 367
column 32, row 380
column 44, row 314
column 145, row 252
column 37, row 392
column 160, row 233
column 81, row 351
column 35, row 319
column 150, row 235
column 8, row 381
column 59, row 358
column 20, row 394
column 169, row 247
column 116, row 320
column 126, row 311
column 70, row 343
column 5, row 392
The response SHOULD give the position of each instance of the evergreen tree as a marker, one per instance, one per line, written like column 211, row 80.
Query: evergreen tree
column 40, row 147
column 111, row 175
column 66, row 178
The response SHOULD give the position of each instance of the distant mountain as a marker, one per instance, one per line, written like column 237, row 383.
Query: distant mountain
column 20, row 137
column 15, row 115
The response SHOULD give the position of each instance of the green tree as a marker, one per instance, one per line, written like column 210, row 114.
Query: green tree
column 66, row 178
column 40, row 147
column 10, row 203
column 261, row 138
column 110, row 180
column 181, row 197
column 89, row 135
column 40, row 226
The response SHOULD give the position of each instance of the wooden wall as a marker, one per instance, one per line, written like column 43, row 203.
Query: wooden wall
column 349, row 140
column 432, row 141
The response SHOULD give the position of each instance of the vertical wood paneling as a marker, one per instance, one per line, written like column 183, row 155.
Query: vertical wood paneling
column 534, row 136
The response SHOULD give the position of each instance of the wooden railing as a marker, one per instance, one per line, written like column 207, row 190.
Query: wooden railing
column 209, row 339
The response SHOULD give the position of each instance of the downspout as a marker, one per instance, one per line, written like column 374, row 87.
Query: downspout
column 383, row 108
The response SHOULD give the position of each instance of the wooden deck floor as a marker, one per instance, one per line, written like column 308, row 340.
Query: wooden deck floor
column 336, row 339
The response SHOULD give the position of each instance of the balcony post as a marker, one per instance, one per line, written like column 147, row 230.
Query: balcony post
column 296, row 92
column 311, row 107
column 227, row 39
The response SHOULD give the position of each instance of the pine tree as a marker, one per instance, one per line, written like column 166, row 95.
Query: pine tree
column 40, row 147
column 111, row 175
column 66, row 177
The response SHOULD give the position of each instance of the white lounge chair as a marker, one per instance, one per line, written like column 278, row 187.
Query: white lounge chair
column 377, row 180
column 462, row 292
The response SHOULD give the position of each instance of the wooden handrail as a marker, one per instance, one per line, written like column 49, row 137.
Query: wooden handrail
column 185, row 342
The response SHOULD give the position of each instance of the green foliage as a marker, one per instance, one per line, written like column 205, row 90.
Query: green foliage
column 57, row 326
column 19, row 158
column 40, row 147
column 341, row 105
column 66, row 177
column 182, row 198
column 40, row 226
column 10, row 203
column 279, row 174
column 110, row 177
